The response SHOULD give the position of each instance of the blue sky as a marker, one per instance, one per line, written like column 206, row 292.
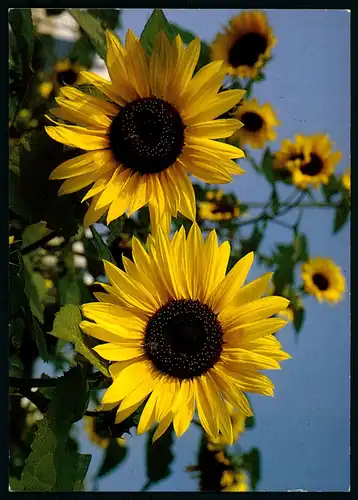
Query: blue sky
column 303, row 432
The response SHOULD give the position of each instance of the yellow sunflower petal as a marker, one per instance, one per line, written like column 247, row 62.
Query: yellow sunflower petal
column 162, row 426
column 227, row 289
column 114, row 352
column 78, row 138
column 215, row 129
column 218, row 106
column 205, row 411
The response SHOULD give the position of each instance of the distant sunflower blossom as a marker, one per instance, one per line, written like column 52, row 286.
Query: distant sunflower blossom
column 309, row 159
column 218, row 208
column 346, row 179
column 65, row 72
column 259, row 124
column 11, row 240
column 185, row 335
column 97, row 433
column 323, row 279
column 238, row 426
column 217, row 473
column 245, row 45
column 159, row 126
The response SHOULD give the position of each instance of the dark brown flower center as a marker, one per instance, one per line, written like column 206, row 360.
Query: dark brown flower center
column 67, row 77
column 320, row 281
column 183, row 339
column 252, row 121
column 147, row 135
column 222, row 208
column 247, row 49
column 313, row 167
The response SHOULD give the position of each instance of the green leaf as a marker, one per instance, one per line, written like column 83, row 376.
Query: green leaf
column 267, row 166
column 109, row 18
column 21, row 24
column 93, row 28
column 248, row 89
column 187, row 37
column 38, row 156
column 69, row 289
column 251, row 463
column 15, row 484
column 52, row 465
column 298, row 319
column 342, row 214
column 34, row 288
column 40, row 340
column 114, row 455
column 159, row 456
column 300, row 248
column 102, row 248
column 16, row 201
column 333, row 187
column 156, row 23
column 284, row 261
column 115, row 229
column 66, row 327
column 250, row 422
column 34, row 233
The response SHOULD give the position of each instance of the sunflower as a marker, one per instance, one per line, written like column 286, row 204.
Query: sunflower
column 65, row 72
column 238, row 426
column 217, row 472
column 160, row 124
column 97, row 432
column 245, row 45
column 346, row 179
column 181, row 332
column 323, row 279
column 309, row 159
column 220, row 208
column 11, row 240
column 259, row 124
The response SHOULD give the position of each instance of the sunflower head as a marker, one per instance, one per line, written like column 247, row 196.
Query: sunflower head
column 323, row 279
column 45, row 89
column 158, row 126
column 217, row 472
column 98, row 429
column 68, row 73
column 245, row 45
column 259, row 122
column 181, row 332
column 220, row 207
column 346, row 179
column 309, row 159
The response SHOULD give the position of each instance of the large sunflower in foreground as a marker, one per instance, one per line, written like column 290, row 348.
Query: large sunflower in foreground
column 309, row 159
column 181, row 332
column 323, row 279
column 259, row 124
column 218, row 207
column 245, row 45
column 159, row 125
column 217, row 472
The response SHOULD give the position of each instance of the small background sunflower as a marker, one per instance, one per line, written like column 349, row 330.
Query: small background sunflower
column 323, row 279
column 245, row 45
column 259, row 122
